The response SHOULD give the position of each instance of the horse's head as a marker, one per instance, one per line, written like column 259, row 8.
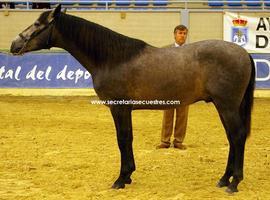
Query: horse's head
column 38, row 35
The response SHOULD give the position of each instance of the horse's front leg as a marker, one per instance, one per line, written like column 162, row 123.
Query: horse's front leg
column 123, row 124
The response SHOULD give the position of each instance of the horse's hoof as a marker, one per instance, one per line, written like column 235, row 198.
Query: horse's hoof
column 118, row 185
column 221, row 184
column 128, row 181
column 231, row 190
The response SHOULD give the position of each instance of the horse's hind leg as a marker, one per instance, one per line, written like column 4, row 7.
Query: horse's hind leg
column 238, row 140
column 225, row 179
column 123, row 123
column 236, row 134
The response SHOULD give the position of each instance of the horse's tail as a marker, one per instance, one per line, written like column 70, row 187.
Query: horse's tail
column 247, row 101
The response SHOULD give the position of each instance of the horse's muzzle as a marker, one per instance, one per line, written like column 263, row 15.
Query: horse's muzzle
column 17, row 45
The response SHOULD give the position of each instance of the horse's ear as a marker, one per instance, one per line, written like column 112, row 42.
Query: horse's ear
column 54, row 13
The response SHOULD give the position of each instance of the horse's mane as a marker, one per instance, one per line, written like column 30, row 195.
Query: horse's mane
column 101, row 44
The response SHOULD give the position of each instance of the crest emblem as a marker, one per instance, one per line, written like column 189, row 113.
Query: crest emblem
column 240, row 32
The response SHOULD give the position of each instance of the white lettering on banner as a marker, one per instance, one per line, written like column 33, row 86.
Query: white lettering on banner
column 11, row 74
column 78, row 75
column 17, row 73
column 65, row 74
column 40, row 74
column 70, row 75
column 47, row 73
column 266, row 78
column 87, row 75
column 61, row 74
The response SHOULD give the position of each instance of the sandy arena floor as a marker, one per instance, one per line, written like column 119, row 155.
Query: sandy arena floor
column 65, row 148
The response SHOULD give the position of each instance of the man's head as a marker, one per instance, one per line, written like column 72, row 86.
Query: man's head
column 180, row 34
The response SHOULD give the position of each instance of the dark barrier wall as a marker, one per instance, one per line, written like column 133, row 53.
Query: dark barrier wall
column 61, row 70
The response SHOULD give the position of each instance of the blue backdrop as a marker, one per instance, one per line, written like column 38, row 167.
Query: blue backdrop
column 61, row 70
column 56, row 70
column 262, row 63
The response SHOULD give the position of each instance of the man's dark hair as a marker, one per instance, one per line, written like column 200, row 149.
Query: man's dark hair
column 180, row 28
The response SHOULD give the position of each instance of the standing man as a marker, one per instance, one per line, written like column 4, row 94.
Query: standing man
column 180, row 36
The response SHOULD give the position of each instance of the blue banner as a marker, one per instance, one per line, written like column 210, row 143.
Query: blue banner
column 61, row 70
column 43, row 70
column 262, row 63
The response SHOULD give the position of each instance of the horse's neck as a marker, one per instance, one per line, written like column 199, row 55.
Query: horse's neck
column 60, row 40
column 99, row 47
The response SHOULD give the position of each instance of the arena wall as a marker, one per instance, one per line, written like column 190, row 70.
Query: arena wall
column 152, row 27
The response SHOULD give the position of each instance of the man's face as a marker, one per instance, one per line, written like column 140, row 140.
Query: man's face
column 180, row 36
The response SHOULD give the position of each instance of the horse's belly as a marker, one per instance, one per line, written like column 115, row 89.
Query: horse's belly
column 185, row 90
column 153, row 107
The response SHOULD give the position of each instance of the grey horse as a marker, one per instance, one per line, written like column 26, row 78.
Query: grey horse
column 124, row 68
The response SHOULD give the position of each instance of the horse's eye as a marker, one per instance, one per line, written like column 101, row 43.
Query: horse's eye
column 36, row 24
